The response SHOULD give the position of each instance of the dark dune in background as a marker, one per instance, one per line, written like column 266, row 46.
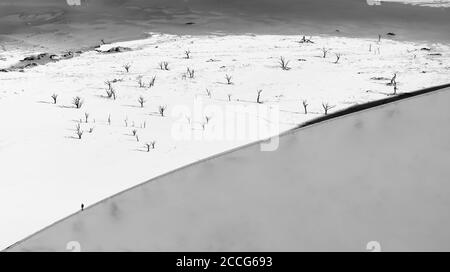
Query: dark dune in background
column 54, row 24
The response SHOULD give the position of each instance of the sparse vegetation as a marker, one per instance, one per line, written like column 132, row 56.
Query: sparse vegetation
column 284, row 64
column 228, row 78
column 327, row 107
column 77, row 102
column 305, row 106
column 161, row 110
column 54, row 97
column 141, row 101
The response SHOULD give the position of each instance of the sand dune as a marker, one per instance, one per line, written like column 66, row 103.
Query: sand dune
column 392, row 188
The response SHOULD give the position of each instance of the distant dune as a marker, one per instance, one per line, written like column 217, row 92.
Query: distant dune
column 428, row 3
column 56, row 25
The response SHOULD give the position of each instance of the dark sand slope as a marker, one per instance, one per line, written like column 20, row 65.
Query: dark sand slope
column 392, row 188
column 54, row 24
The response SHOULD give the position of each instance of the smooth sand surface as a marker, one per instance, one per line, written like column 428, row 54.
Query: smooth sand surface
column 392, row 188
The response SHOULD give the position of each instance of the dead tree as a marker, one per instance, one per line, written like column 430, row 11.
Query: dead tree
column 305, row 106
column 338, row 57
column 127, row 67
column 305, row 40
column 108, row 84
column 111, row 93
column 191, row 72
column 150, row 145
column 152, row 82
column 188, row 54
column 77, row 102
column 327, row 107
column 161, row 110
column 54, row 97
column 325, row 52
column 284, row 64
column 164, row 66
column 228, row 78
column 141, row 83
column 393, row 80
column 141, row 101
column 259, row 97
column 78, row 131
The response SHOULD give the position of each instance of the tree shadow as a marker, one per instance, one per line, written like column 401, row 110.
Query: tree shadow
column 67, row 107
column 144, row 150
column 383, row 93
column 157, row 114
column 133, row 106
column 72, row 137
